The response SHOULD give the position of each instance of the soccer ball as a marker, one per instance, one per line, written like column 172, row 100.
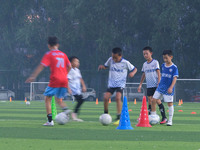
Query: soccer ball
column 105, row 119
column 154, row 119
column 28, row 103
column 62, row 118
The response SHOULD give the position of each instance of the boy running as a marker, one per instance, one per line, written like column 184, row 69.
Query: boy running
column 75, row 82
column 165, row 88
column 59, row 67
column 118, row 70
column 151, row 71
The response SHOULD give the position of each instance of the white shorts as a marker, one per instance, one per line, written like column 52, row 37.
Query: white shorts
column 167, row 98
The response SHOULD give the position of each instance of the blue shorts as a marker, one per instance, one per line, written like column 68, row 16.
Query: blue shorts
column 58, row 92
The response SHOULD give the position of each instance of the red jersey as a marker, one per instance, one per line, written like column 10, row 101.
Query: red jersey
column 58, row 63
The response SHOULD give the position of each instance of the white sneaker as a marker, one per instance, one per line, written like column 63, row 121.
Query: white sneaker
column 68, row 111
column 75, row 118
column 169, row 123
column 49, row 123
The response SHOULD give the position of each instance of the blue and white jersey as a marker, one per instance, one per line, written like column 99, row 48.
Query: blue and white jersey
column 118, row 72
column 150, row 73
column 167, row 76
column 74, row 77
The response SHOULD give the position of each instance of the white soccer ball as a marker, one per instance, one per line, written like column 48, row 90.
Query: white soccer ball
column 154, row 119
column 62, row 118
column 28, row 103
column 105, row 119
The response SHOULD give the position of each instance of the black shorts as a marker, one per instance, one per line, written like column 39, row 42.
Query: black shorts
column 117, row 89
column 151, row 91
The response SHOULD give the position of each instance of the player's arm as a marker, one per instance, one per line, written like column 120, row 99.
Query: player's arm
column 84, row 89
column 34, row 75
column 170, row 89
column 132, row 73
column 69, row 89
column 141, row 81
column 102, row 67
column 106, row 65
column 69, row 67
column 68, row 64
column 159, row 76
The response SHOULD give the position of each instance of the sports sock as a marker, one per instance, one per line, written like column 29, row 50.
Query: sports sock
column 162, row 111
column 105, row 111
column 171, row 112
column 149, row 109
column 153, row 113
column 65, row 108
column 49, row 116
column 118, row 116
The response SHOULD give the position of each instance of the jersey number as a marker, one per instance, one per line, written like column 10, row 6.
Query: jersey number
column 60, row 62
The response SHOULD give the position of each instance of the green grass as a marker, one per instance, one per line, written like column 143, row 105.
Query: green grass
column 21, row 129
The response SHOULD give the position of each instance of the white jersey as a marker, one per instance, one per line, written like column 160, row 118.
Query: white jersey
column 118, row 72
column 74, row 77
column 150, row 73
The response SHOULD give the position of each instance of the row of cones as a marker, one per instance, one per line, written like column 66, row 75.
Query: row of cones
column 24, row 100
column 97, row 101
column 180, row 102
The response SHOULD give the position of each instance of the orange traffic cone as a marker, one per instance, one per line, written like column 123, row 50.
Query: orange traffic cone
column 25, row 100
column 135, row 101
column 179, row 103
column 10, row 99
column 97, row 102
column 144, row 118
column 109, row 100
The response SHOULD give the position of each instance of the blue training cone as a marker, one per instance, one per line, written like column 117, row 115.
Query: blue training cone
column 124, row 123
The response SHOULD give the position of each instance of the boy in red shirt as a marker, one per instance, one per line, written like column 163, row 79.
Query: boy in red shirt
column 59, row 66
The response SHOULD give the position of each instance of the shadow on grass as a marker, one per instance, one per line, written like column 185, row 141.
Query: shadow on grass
column 64, row 133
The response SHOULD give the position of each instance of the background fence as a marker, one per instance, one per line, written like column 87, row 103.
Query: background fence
column 186, row 89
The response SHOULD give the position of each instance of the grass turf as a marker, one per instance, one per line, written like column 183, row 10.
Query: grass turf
column 21, row 128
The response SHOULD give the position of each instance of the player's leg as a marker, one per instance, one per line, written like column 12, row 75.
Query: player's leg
column 49, row 92
column 150, row 98
column 48, row 110
column 80, row 100
column 107, row 95
column 156, row 97
column 171, row 113
column 60, row 93
column 119, row 104
column 119, row 92
column 150, row 92
column 162, row 111
column 169, row 100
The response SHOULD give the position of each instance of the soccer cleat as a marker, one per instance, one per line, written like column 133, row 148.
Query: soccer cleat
column 169, row 123
column 75, row 118
column 78, row 120
column 163, row 121
column 116, row 123
column 49, row 123
column 68, row 111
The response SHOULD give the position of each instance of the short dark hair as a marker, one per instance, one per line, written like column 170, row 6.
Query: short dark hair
column 147, row 48
column 72, row 58
column 167, row 52
column 117, row 50
column 52, row 40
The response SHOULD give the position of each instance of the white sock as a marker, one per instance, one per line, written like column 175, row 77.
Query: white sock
column 171, row 112
column 153, row 113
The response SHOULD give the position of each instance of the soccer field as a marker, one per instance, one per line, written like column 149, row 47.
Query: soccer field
column 21, row 129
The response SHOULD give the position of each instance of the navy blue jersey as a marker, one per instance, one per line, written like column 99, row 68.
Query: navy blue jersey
column 167, row 75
